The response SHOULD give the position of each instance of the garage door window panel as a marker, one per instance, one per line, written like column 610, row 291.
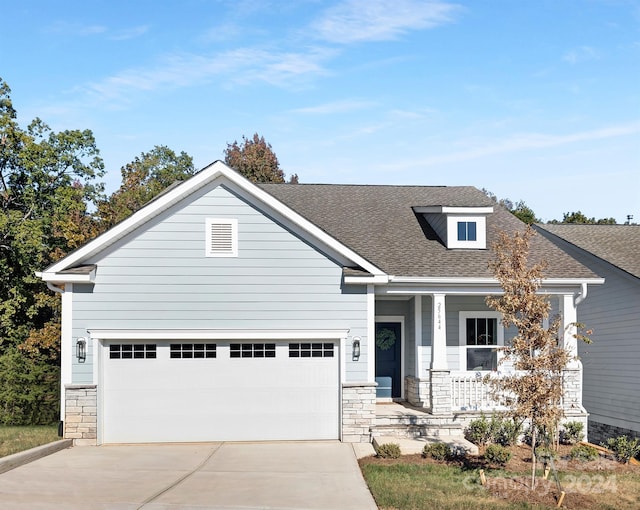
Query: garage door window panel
column 311, row 350
column 192, row 351
column 252, row 350
column 132, row 351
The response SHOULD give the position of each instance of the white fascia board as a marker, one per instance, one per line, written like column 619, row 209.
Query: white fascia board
column 364, row 280
column 474, row 286
column 202, row 178
column 441, row 209
column 67, row 278
column 217, row 334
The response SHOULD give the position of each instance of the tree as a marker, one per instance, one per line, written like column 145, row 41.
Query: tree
column 520, row 209
column 142, row 180
column 254, row 158
column 578, row 217
column 534, row 391
column 47, row 186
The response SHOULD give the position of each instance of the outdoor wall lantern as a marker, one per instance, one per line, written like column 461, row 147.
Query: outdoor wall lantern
column 356, row 348
column 81, row 349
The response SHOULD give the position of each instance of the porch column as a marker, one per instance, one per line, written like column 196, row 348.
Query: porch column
column 417, row 333
column 569, row 330
column 572, row 375
column 439, row 334
column 440, row 381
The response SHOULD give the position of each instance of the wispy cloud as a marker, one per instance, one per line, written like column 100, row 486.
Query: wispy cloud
column 335, row 107
column 240, row 66
column 381, row 20
column 581, row 54
column 130, row 33
column 522, row 142
column 76, row 29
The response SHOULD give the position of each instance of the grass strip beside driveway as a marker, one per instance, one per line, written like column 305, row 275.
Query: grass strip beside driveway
column 14, row 439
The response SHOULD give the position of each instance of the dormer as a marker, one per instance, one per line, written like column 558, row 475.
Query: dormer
column 458, row 227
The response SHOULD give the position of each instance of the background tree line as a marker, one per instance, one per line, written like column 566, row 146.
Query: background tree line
column 52, row 201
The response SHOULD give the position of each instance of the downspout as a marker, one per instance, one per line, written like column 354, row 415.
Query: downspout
column 58, row 290
column 582, row 296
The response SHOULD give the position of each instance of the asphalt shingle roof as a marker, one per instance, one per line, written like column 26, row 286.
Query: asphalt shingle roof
column 379, row 224
column 617, row 244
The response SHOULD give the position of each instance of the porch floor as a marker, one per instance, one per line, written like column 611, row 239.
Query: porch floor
column 399, row 409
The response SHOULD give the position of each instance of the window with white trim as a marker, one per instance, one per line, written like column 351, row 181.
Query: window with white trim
column 221, row 237
column 481, row 335
column 467, row 231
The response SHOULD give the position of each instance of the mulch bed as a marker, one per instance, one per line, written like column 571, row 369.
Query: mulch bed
column 581, row 480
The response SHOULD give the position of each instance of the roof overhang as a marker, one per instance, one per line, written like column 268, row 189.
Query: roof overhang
column 80, row 274
column 443, row 209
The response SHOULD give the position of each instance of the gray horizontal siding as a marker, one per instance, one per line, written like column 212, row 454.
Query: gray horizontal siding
column 159, row 278
column 611, row 363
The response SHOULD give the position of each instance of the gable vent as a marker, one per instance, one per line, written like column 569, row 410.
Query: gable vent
column 222, row 237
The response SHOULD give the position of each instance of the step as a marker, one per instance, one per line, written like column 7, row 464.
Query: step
column 400, row 430
column 410, row 446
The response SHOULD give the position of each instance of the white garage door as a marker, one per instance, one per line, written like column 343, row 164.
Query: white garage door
column 222, row 391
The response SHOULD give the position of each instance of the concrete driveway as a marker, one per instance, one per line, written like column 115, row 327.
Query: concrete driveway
column 287, row 475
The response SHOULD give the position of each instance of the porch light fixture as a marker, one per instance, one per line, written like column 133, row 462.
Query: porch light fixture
column 355, row 356
column 81, row 349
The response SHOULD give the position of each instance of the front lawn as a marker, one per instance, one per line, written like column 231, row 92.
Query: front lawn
column 412, row 482
column 17, row 439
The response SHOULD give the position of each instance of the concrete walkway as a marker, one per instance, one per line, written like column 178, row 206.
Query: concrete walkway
column 287, row 475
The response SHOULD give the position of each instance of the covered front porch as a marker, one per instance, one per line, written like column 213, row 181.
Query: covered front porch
column 434, row 348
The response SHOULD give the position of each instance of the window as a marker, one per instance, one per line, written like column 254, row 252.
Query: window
column 186, row 351
column 480, row 336
column 132, row 351
column 466, row 231
column 252, row 350
column 316, row 350
column 222, row 237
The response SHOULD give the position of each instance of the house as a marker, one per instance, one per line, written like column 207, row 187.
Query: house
column 612, row 311
column 226, row 310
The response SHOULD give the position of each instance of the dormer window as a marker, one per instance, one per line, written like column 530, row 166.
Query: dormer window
column 458, row 227
column 466, row 231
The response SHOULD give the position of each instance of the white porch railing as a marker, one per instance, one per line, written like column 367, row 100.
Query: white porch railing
column 469, row 392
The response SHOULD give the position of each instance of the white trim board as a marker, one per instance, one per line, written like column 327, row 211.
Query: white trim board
column 217, row 334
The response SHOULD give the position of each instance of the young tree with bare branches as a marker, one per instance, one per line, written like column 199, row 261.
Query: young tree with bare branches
column 534, row 391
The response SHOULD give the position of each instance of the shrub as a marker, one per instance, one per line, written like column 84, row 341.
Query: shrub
column 29, row 389
column 623, row 447
column 584, row 453
column 544, row 454
column 508, row 432
column 438, row 451
column 572, row 432
column 496, row 454
column 389, row 451
column 479, row 431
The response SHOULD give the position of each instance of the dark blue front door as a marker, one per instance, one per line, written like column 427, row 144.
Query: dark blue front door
column 388, row 352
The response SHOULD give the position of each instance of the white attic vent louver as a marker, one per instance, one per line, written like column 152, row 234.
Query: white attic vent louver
column 222, row 237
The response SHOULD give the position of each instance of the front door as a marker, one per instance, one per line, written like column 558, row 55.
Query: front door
column 388, row 359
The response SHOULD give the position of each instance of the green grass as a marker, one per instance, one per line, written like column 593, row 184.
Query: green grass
column 17, row 439
column 413, row 486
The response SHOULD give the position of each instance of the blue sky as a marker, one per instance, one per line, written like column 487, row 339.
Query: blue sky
column 535, row 100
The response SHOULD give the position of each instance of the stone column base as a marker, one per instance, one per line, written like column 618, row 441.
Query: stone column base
column 440, row 392
column 80, row 421
column 417, row 391
column 358, row 411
